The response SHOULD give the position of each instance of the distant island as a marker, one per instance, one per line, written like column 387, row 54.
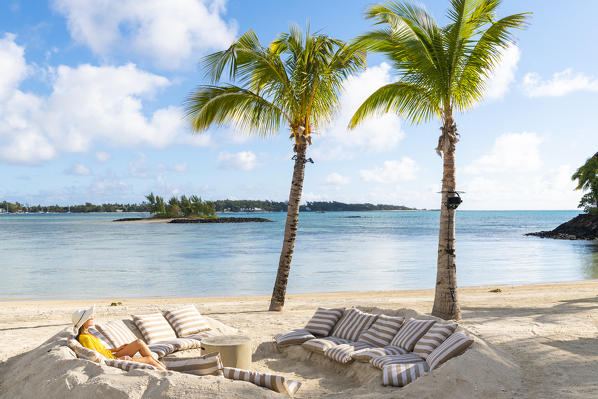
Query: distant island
column 221, row 206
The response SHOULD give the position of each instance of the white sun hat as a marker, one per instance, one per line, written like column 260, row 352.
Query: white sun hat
column 81, row 316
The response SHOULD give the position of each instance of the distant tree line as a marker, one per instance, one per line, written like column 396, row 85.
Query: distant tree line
column 192, row 207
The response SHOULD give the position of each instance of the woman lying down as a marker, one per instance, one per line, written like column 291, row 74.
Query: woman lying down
column 83, row 319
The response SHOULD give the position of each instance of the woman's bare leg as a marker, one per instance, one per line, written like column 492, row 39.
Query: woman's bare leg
column 150, row 360
column 134, row 347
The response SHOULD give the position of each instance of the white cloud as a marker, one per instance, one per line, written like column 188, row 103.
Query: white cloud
column 86, row 104
column 102, row 156
column 375, row 134
column 561, row 83
column 79, row 170
column 500, row 81
column 511, row 152
column 180, row 167
column 243, row 160
column 336, row 179
column 171, row 33
column 391, row 172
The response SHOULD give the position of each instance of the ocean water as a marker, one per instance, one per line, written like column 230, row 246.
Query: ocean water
column 79, row 256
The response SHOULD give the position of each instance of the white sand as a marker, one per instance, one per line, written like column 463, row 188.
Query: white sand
column 535, row 342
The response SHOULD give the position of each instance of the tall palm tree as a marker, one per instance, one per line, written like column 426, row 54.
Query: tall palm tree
column 295, row 81
column 587, row 179
column 441, row 70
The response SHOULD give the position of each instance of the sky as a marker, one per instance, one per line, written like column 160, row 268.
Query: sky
column 92, row 109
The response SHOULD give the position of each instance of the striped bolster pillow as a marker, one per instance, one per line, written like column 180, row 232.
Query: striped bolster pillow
column 367, row 354
column 209, row 364
column 116, row 332
column 186, row 321
column 295, row 337
column 128, row 365
column 277, row 383
column 411, row 332
column 399, row 375
column 83, row 352
column 323, row 321
column 454, row 345
column 434, row 337
column 380, row 362
column 320, row 345
column 154, row 327
column 382, row 331
column 343, row 353
column 352, row 324
column 162, row 349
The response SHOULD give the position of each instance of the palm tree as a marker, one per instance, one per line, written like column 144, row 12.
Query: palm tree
column 441, row 70
column 295, row 81
column 587, row 179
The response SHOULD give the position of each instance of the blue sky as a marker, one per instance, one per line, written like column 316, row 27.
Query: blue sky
column 91, row 96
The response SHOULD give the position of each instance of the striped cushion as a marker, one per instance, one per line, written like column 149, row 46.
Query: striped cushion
column 116, row 332
column 342, row 353
column 352, row 324
column 162, row 349
column 154, row 327
column 209, row 364
column 93, row 331
column 410, row 333
column 381, row 361
column 399, row 375
column 128, row 365
column 186, row 321
column 277, row 383
column 434, row 337
column 295, row 337
column 83, row 352
column 382, row 331
column 454, row 345
column 201, row 336
column 365, row 355
column 320, row 345
column 323, row 321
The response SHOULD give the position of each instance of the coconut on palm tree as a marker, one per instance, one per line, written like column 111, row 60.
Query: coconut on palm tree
column 441, row 69
column 296, row 82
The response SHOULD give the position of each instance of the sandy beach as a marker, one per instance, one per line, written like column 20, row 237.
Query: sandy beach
column 548, row 330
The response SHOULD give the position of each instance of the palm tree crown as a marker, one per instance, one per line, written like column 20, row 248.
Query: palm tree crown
column 296, row 80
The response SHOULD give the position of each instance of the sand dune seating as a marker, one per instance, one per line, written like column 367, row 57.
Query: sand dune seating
column 176, row 330
column 403, row 350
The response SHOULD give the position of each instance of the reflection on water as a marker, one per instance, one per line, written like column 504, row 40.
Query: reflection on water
column 88, row 256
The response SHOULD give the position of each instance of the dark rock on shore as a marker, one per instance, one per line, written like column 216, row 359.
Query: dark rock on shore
column 129, row 219
column 220, row 220
column 581, row 227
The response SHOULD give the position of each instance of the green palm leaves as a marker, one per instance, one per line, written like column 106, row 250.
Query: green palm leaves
column 440, row 68
column 296, row 81
column 587, row 180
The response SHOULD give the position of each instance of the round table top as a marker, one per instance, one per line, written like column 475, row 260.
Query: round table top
column 226, row 340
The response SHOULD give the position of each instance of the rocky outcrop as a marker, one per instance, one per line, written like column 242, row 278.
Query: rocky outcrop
column 581, row 227
column 220, row 220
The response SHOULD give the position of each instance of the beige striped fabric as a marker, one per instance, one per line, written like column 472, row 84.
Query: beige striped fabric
column 382, row 331
column 319, row 345
column 436, row 335
column 410, row 333
column 83, row 352
column 381, row 361
column 154, row 327
column 128, row 365
column 116, row 332
column 186, row 321
column 323, row 321
column 295, row 337
column 209, row 364
column 454, row 345
column 342, row 353
column 276, row 383
column 352, row 324
column 399, row 375
column 365, row 355
column 162, row 349
column 93, row 331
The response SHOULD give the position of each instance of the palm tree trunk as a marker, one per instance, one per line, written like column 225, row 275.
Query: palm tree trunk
column 290, row 232
column 446, row 303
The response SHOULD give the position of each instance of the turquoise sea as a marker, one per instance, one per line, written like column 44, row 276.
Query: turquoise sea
column 78, row 256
